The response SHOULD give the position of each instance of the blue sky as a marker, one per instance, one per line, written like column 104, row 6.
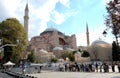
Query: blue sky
column 68, row 16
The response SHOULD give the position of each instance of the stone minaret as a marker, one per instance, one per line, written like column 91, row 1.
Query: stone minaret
column 87, row 35
column 26, row 19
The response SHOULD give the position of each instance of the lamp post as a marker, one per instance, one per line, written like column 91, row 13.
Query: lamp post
column 104, row 33
column 117, row 47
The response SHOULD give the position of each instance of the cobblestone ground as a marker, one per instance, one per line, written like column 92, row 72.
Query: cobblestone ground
column 3, row 75
column 52, row 74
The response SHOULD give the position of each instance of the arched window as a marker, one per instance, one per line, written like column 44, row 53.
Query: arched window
column 61, row 41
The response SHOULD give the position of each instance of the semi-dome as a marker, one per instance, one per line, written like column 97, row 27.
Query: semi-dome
column 100, row 43
column 50, row 30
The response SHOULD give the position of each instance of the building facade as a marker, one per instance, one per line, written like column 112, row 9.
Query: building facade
column 51, row 38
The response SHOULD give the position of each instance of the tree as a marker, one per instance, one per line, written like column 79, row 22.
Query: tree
column 85, row 54
column 54, row 60
column 65, row 55
column 74, row 52
column 113, row 18
column 12, row 30
column 115, row 51
column 71, row 57
column 31, row 57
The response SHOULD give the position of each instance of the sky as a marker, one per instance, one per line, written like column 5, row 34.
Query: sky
column 68, row 16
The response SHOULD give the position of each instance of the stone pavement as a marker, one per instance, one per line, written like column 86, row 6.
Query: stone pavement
column 53, row 74
column 3, row 75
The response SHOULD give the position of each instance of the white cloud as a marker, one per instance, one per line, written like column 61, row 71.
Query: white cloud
column 65, row 3
column 40, row 13
column 106, row 1
column 81, row 39
column 58, row 18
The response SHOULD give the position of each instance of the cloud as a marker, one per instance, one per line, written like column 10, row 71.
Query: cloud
column 43, row 14
column 39, row 13
column 58, row 18
column 81, row 39
column 106, row 1
column 65, row 3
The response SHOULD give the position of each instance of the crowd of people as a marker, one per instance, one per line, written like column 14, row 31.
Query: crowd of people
column 91, row 67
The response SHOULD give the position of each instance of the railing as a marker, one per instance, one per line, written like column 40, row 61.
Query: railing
column 7, row 45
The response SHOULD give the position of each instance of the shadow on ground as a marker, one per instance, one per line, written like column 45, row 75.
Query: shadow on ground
column 116, row 77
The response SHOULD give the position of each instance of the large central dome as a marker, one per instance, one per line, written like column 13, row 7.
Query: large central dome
column 51, row 30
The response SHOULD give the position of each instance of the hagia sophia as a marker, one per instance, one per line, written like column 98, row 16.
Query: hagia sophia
column 53, row 43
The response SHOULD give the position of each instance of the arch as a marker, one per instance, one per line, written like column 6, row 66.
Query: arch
column 61, row 41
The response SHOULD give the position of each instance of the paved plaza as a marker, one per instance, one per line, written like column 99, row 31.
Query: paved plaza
column 51, row 74
column 3, row 75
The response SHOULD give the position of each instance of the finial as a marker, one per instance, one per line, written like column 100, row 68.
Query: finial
column 26, row 8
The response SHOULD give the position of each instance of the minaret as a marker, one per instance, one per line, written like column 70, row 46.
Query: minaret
column 87, row 34
column 26, row 19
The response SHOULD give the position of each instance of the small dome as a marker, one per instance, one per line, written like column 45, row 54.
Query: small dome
column 69, row 49
column 43, row 51
column 58, row 48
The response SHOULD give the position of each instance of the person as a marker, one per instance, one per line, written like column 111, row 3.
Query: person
column 101, row 67
column 24, row 69
column 40, row 69
column 119, row 67
column 77, row 67
column 113, row 67
column 61, row 67
column 82, row 67
column 104, row 67
column 93, row 67
column 96, row 65
column 66, row 66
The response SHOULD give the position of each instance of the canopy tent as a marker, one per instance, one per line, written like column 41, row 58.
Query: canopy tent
column 9, row 63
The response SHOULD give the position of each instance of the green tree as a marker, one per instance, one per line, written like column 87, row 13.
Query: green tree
column 54, row 60
column 71, row 57
column 12, row 30
column 74, row 52
column 115, row 51
column 85, row 54
column 113, row 17
column 31, row 57
column 64, row 55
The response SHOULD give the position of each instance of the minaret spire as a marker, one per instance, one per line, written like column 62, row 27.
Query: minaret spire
column 87, row 34
column 26, row 19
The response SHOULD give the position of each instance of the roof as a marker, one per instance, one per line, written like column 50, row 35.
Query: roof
column 9, row 63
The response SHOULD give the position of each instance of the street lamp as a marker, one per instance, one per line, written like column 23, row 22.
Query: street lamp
column 104, row 33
